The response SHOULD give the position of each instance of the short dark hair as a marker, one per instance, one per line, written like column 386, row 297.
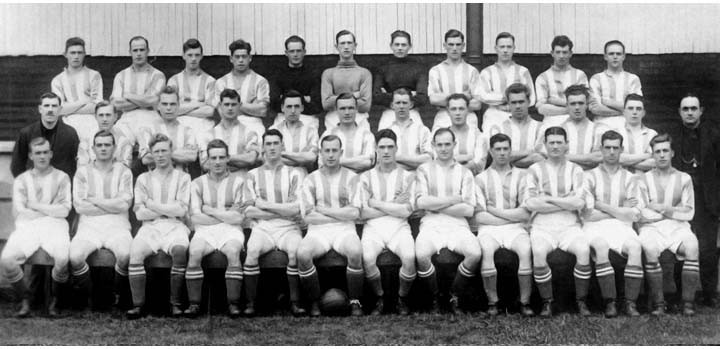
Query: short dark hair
column 217, row 144
column 229, row 93
column 37, row 141
column 290, row 94
column 456, row 96
column 240, row 44
column 576, row 90
column 170, row 90
column 504, row 35
column 74, row 41
column 661, row 138
column 345, row 95
column 401, row 91
column 139, row 37
column 500, row 137
column 159, row 138
column 272, row 132
column 692, row 95
column 191, row 44
column 611, row 136
column 517, row 88
column 454, row 33
column 103, row 133
column 556, row 131
column 400, row 34
column 562, row 41
column 344, row 32
column 385, row 133
column 330, row 138
column 294, row 38
column 443, row 130
column 613, row 42
column 50, row 95
column 634, row 97
column 104, row 103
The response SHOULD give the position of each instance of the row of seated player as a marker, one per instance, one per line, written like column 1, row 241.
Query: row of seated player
column 563, row 206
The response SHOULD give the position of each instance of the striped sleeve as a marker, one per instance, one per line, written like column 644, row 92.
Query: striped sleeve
column 467, row 188
column 532, row 185
column 64, row 192
column 354, row 199
column 252, row 142
column 141, row 191
column 96, row 87
column 363, row 192
column 183, row 191
column 409, row 189
column 425, row 143
column 368, row 147
column 196, row 196
column 541, row 89
column 158, row 82
column 522, row 193
column 210, row 90
column 295, row 185
column 529, row 83
column 687, row 199
column 421, row 182
column 125, row 189
column 577, row 180
column 481, row 147
column 57, row 88
column 80, row 185
column 480, row 195
column 311, row 141
column 20, row 195
column 596, row 87
column 118, row 85
column 262, row 91
column 434, row 81
column 635, row 85
column 219, row 86
column 190, row 139
column 243, row 195
column 589, row 190
column 307, row 204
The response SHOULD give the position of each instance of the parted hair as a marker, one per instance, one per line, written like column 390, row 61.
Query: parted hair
column 50, row 95
column 291, row 94
column 330, row 138
column 556, row 131
column 103, row 104
column 500, row 137
column 294, row 38
column 634, row 97
column 454, row 33
column 661, row 138
column 385, row 133
column 611, row 136
column 443, row 130
column 37, row 141
column 159, row 138
column 104, row 133
column 517, row 88
column 217, row 144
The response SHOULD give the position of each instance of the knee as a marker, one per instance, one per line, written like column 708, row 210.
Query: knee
column 304, row 254
column 77, row 257
column 179, row 255
column 634, row 248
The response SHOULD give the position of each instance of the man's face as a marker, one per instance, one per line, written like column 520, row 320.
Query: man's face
column 228, row 108
column 168, row 106
column 444, row 146
column 162, row 154
column 49, row 109
column 458, row 110
column 105, row 117
column 561, row 55
column 192, row 58
column 519, row 104
column 331, row 153
column 346, row 109
column 634, row 112
column 610, row 151
column 104, row 148
column 75, row 56
column 400, row 47
column 292, row 108
column 663, row 154
column 500, row 152
column 139, row 51
column 386, row 150
column 240, row 60
column 577, row 107
column 272, row 147
column 556, row 146
column 615, row 56
column 505, row 49
column 346, row 46
column 401, row 105
column 690, row 110
column 454, row 48
column 295, row 53
column 41, row 156
column 217, row 160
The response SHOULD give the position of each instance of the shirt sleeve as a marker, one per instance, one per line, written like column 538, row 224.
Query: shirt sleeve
column 522, row 190
column 20, row 196
column 210, row 91
column 481, row 147
column 125, row 191
column 365, row 101
column 79, row 187
column 421, row 185
column 687, row 200
column 577, row 180
column 589, row 191
column 368, row 143
column 326, row 90
column 63, row 196
column 596, row 88
column 484, row 89
column 218, row 89
column 262, row 91
column 425, row 143
column 467, row 189
column 531, row 86
column 96, row 88
column 541, row 90
column 294, row 189
column 183, row 191
column 195, row 198
column 635, row 85
column 57, row 88
column 118, row 85
column 157, row 84
column 312, row 141
column 480, row 200
column 252, row 142
column 141, row 192
column 434, row 86
column 531, row 184
column 308, row 202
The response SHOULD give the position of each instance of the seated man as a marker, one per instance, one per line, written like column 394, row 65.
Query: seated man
column 162, row 197
column 299, row 140
column 385, row 194
column 41, row 201
column 472, row 148
column 413, row 137
column 106, row 117
column 521, row 128
column 359, row 144
column 216, row 199
column 330, row 207
column 668, row 202
column 555, row 196
column 501, row 217
column 611, row 198
column 102, row 195
column 446, row 191
column 275, row 188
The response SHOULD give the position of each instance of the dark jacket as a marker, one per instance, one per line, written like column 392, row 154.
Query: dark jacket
column 64, row 144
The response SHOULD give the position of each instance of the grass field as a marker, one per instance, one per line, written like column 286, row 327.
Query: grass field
column 112, row 328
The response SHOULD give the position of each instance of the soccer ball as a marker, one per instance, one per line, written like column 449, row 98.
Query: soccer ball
column 334, row 302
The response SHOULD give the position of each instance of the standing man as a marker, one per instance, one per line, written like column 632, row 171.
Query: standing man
column 330, row 207
column 637, row 135
column 446, row 191
column 612, row 86
column 102, row 195
column 63, row 139
column 276, row 189
column 472, row 148
column 41, row 202
column 217, row 199
column 401, row 71
column 502, row 216
column 697, row 153
column 386, row 195
column 359, row 152
column 79, row 88
column 611, row 207
column 668, row 206
column 555, row 197
column 551, row 84
column 453, row 75
column 346, row 77
column 521, row 128
column 414, row 144
column 196, row 88
column 241, row 140
column 495, row 79
column 297, row 76
column 253, row 89
column 299, row 139
column 583, row 134
column 162, row 198
column 136, row 89
column 106, row 118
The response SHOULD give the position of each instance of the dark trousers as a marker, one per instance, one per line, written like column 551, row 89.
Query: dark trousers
column 705, row 225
